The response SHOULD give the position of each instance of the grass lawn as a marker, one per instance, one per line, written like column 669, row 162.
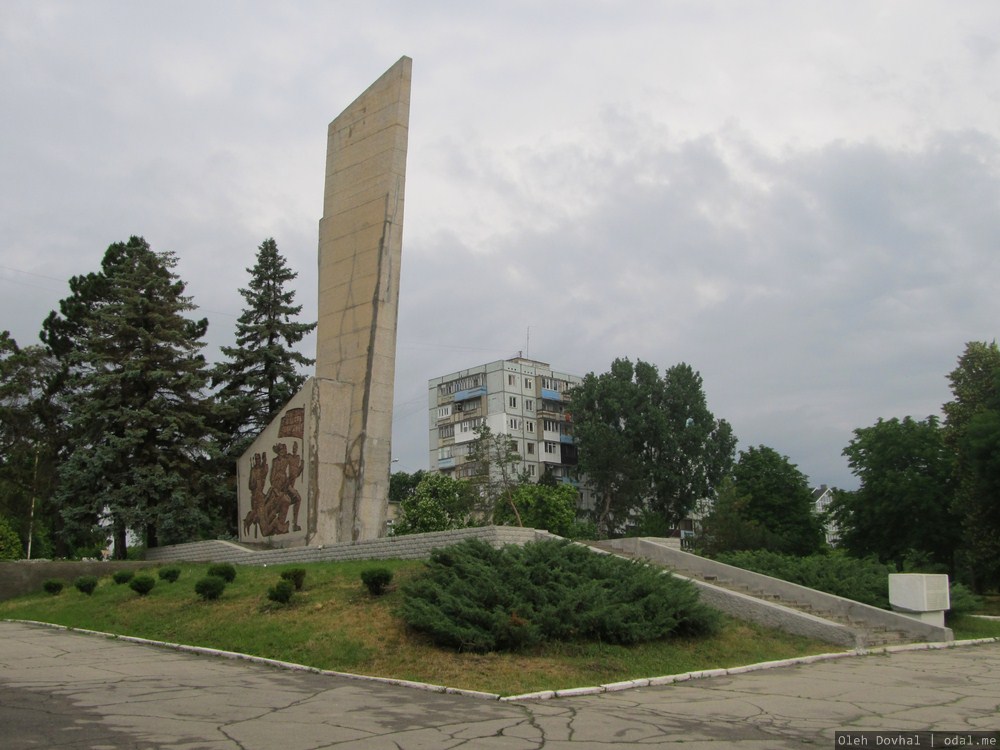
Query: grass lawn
column 334, row 623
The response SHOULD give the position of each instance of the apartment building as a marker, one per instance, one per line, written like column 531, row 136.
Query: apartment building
column 523, row 398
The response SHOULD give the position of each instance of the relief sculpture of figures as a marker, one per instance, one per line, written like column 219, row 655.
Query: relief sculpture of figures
column 272, row 488
column 258, row 478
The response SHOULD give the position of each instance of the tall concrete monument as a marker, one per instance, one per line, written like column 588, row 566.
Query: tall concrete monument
column 319, row 473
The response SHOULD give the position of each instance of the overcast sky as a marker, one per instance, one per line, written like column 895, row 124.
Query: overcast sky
column 799, row 199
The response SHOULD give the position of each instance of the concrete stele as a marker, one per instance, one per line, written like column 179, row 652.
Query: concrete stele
column 336, row 432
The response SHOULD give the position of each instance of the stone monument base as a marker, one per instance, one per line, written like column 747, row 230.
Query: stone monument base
column 297, row 481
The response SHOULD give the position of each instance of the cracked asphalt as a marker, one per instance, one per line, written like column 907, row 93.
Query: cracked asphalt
column 67, row 690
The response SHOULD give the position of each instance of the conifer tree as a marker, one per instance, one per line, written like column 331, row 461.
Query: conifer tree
column 263, row 370
column 138, row 416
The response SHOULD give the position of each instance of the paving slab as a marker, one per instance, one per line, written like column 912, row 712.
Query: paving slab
column 70, row 690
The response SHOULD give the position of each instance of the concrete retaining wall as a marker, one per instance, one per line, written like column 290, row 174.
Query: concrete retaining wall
column 27, row 576
column 862, row 614
column 406, row 547
column 24, row 577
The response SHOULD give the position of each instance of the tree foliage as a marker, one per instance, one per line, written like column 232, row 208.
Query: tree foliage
column 540, row 506
column 903, row 505
column 498, row 473
column 140, row 434
column 32, row 433
column 776, row 497
column 402, row 485
column 263, row 371
column 972, row 429
column 10, row 544
column 730, row 527
column 439, row 503
column 647, row 441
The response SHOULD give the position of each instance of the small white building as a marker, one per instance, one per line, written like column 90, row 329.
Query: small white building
column 822, row 497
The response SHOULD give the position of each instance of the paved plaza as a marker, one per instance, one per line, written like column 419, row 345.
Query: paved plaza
column 60, row 689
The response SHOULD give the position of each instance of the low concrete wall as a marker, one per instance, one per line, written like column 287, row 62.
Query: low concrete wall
column 27, row 576
column 405, row 547
column 862, row 614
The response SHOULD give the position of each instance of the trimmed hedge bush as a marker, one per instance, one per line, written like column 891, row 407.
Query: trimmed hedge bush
column 475, row 598
column 123, row 576
column 170, row 575
column 210, row 587
column 142, row 584
column 377, row 580
column 86, row 584
column 53, row 586
column 225, row 571
column 281, row 592
column 296, row 575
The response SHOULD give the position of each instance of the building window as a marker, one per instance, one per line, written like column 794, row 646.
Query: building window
column 529, row 404
column 527, row 383
column 551, row 425
column 531, row 449
column 531, row 470
column 512, row 401
column 444, row 411
column 550, row 448
column 529, row 426
column 514, row 423
column 511, row 380
column 470, row 425
column 446, row 431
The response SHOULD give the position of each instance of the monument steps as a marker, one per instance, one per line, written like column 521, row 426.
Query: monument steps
column 794, row 608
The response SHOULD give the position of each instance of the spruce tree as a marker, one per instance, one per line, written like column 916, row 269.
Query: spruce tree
column 139, row 419
column 262, row 371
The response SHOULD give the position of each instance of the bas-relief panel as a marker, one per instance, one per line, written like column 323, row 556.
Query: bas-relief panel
column 271, row 480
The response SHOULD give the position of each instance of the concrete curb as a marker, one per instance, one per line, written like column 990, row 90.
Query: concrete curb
column 538, row 695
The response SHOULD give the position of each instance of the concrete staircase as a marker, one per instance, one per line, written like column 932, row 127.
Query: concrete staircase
column 777, row 603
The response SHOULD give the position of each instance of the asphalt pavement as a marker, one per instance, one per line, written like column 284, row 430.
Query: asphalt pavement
column 69, row 690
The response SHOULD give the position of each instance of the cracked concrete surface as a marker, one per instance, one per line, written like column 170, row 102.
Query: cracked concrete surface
column 60, row 689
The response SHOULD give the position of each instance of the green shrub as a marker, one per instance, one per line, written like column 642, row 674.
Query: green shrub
column 281, row 592
column 142, row 584
column 296, row 575
column 475, row 598
column 210, row 587
column 52, row 586
column 963, row 601
column 170, row 574
column 86, row 584
column 225, row 571
column 865, row 581
column 123, row 576
column 377, row 580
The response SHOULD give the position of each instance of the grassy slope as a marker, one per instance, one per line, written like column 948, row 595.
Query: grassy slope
column 335, row 624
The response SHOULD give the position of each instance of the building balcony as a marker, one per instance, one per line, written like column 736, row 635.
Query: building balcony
column 470, row 393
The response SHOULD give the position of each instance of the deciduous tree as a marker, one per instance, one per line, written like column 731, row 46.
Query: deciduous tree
column 904, row 503
column 972, row 422
column 438, row 503
column 32, row 433
column 777, row 498
column 648, row 442
column 498, row 472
